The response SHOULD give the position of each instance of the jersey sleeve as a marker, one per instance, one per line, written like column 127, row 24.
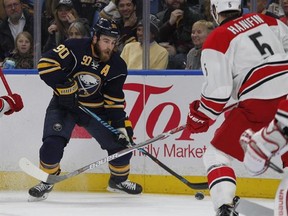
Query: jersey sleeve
column 113, row 93
column 55, row 66
column 218, row 81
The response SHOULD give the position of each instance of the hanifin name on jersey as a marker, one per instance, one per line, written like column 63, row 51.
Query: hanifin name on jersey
column 245, row 24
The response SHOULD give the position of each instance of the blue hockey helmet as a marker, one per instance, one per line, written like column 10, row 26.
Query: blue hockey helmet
column 105, row 27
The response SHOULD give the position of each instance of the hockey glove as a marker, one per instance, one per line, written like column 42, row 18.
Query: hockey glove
column 68, row 94
column 197, row 122
column 125, row 138
column 261, row 146
column 15, row 102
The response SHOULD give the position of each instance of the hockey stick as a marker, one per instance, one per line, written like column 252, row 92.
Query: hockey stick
column 195, row 186
column 275, row 167
column 7, row 87
column 249, row 208
column 280, row 203
column 37, row 173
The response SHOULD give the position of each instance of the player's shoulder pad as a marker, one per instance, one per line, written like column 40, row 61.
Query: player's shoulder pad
column 118, row 64
column 77, row 44
column 217, row 40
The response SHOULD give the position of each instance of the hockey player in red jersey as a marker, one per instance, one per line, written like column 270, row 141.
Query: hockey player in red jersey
column 10, row 104
column 88, row 72
column 244, row 58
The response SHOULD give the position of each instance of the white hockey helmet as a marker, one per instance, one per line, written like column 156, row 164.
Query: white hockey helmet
column 218, row 6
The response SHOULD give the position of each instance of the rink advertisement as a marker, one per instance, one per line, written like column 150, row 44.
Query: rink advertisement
column 155, row 104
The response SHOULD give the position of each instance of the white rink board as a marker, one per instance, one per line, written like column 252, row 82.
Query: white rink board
column 167, row 104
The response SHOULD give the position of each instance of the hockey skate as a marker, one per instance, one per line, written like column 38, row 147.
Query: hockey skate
column 40, row 192
column 228, row 209
column 124, row 187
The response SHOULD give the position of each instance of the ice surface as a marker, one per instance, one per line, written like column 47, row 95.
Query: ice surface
column 108, row 204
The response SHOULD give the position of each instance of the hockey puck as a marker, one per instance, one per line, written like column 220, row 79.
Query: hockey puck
column 199, row 196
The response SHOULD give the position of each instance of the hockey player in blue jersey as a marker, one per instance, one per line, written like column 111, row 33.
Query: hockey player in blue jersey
column 89, row 73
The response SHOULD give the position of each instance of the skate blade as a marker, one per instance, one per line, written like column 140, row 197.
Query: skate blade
column 37, row 199
column 115, row 190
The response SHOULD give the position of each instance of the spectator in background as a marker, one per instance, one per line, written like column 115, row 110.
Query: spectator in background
column 64, row 15
column 29, row 5
column 110, row 11
column 127, row 23
column 17, row 20
column 200, row 30
column 47, row 17
column 284, row 6
column 22, row 55
column 195, row 4
column 89, row 9
column 205, row 10
column 133, row 52
column 275, row 8
column 78, row 30
column 262, row 6
column 2, row 12
column 175, row 31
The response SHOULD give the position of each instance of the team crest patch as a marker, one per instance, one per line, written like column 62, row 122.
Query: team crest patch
column 88, row 83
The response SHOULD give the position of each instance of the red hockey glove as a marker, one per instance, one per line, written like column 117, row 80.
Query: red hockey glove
column 15, row 102
column 197, row 122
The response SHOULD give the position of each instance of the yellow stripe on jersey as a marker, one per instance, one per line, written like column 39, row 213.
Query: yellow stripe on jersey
column 47, row 65
column 92, row 105
column 119, row 106
column 112, row 102
column 49, row 60
column 49, row 70
column 121, row 100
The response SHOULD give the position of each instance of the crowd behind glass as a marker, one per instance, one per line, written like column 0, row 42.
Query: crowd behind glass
column 178, row 28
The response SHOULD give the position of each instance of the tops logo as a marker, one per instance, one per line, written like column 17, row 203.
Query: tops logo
column 145, row 94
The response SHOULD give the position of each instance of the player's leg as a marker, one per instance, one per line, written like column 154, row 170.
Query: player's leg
column 120, row 167
column 217, row 161
column 57, row 131
column 221, row 176
column 221, row 180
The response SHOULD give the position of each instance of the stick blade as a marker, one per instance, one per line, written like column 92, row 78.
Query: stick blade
column 250, row 208
column 32, row 170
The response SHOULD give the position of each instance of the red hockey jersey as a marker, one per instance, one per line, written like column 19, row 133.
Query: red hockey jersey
column 244, row 58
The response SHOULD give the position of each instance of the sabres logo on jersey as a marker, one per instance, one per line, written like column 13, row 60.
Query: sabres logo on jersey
column 88, row 83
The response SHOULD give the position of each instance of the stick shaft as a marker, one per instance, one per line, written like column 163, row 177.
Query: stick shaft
column 198, row 186
column 37, row 173
column 7, row 87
